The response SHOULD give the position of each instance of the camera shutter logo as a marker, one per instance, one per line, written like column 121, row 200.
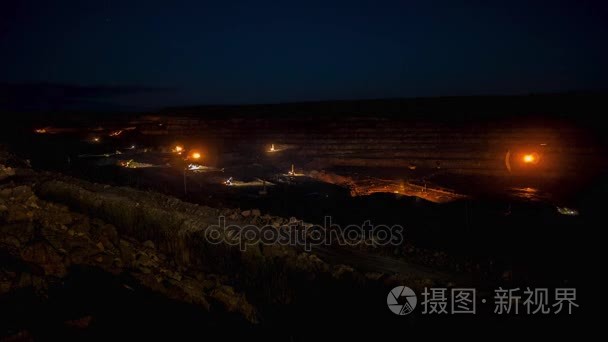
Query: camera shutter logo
column 401, row 300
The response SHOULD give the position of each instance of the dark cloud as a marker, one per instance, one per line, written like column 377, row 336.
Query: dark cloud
column 51, row 90
column 44, row 96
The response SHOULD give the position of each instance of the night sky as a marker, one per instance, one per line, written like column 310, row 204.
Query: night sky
column 156, row 53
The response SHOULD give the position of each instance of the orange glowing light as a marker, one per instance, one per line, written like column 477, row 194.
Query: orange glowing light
column 529, row 158
column 178, row 149
column 96, row 139
column 196, row 155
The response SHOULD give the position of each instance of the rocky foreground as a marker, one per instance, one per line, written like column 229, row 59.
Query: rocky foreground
column 51, row 225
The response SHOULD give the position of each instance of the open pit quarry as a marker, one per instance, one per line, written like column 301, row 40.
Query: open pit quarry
column 465, row 146
column 111, row 206
column 54, row 229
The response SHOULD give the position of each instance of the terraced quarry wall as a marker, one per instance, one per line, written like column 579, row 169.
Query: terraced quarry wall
column 462, row 148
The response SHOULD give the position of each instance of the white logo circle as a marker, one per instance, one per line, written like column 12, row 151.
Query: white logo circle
column 401, row 300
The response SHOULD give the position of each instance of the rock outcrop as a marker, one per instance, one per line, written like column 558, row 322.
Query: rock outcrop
column 46, row 239
column 52, row 224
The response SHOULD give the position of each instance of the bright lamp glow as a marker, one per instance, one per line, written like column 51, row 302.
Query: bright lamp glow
column 530, row 158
